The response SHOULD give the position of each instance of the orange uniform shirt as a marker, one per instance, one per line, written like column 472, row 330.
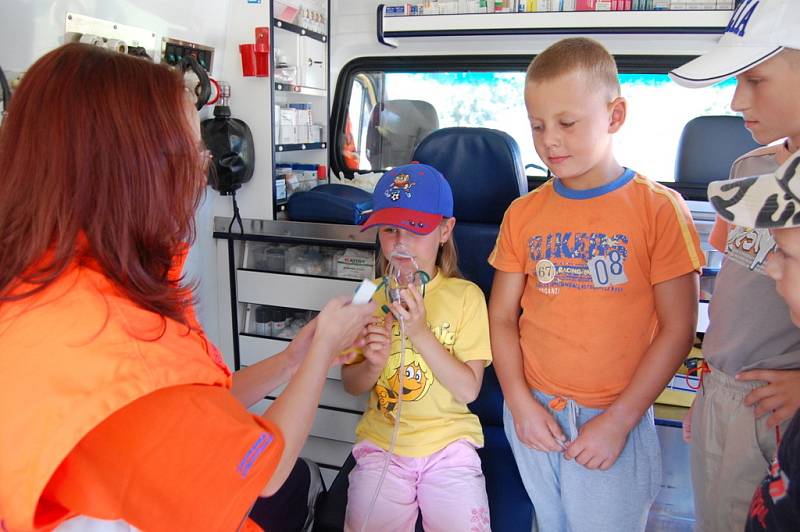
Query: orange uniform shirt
column 591, row 259
column 182, row 458
column 90, row 424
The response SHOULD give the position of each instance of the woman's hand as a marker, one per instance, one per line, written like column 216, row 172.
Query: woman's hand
column 296, row 351
column 340, row 323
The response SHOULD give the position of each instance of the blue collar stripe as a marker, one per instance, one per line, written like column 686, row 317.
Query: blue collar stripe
column 590, row 193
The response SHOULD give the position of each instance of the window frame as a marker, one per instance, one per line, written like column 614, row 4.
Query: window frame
column 626, row 64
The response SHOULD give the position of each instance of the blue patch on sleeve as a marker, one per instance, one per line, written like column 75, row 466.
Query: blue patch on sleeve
column 253, row 453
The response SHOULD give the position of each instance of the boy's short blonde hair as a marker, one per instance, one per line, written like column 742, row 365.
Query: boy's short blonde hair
column 581, row 54
column 792, row 56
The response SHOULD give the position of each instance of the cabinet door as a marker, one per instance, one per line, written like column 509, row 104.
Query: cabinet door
column 313, row 63
column 288, row 45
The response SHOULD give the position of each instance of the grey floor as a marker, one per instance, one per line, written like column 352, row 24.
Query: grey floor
column 673, row 510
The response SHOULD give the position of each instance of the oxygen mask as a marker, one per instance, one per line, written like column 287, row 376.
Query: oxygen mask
column 403, row 273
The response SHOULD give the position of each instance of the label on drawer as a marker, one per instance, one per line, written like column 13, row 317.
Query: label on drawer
column 355, row 264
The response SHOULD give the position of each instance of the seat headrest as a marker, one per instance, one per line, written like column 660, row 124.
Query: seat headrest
column 708, row 146
column 396, row 127
column 483, row 167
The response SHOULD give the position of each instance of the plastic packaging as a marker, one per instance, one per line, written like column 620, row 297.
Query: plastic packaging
column 284, row 72
column 278, row 322
column 300, row 265
column 263, row 321
column 259, row 257
column 275, row 259
column 316, row 262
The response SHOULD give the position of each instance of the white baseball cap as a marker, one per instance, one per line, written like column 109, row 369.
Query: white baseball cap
column 770, row 201
column 758, row 30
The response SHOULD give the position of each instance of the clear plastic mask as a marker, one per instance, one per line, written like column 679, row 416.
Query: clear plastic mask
column 403, row 272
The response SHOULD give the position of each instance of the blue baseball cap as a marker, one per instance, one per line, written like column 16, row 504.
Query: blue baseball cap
column 415, row 197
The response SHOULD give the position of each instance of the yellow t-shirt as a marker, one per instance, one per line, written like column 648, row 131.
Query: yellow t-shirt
column 591, row 259
column 430, row 418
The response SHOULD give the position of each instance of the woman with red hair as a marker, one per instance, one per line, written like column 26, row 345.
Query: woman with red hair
column 114, row 404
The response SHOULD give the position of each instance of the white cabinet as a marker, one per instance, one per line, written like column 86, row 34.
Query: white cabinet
column 300, row 100
column 284, row 273
column 312, row 63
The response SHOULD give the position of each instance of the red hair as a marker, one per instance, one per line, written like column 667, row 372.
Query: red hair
column 98, row 145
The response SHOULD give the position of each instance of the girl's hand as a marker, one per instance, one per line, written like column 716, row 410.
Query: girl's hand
column 340, row 323
column 599, row 443
column 411, row 309
column 378, row 341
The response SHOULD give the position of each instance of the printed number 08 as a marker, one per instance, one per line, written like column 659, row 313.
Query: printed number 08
column 616, row 262
column 612, row 262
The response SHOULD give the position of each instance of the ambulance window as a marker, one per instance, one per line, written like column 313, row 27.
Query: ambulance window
column 362, row 99
column 390, row 111
column 657, row 111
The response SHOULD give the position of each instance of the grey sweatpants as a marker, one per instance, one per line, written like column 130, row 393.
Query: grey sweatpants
column 567, row 497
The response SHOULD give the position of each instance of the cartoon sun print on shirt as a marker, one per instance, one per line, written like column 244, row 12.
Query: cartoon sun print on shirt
column 750, row 248
column 401, row 185
column 417, row 380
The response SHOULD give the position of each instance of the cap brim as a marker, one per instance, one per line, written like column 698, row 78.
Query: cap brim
column 720, row 63
column 755, row 202
column 417, row 222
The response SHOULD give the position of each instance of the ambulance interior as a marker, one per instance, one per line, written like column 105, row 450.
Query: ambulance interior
column 336, row 92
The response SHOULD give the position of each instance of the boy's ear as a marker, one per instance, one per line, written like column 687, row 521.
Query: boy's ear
column 618, row 109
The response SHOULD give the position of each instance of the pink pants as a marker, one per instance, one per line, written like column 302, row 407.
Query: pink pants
column 447, row 487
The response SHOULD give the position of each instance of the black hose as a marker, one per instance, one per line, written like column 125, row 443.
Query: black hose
column 6, row 90
column 204, row 88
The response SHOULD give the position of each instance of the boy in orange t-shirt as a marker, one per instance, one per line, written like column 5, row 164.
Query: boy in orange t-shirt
column 603, row 264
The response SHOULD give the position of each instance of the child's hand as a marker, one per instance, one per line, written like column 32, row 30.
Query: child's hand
column 687, row 425
column 599, row 443
column 537, row 428
column 411, row 309
column 378, row 340
column 781, row 394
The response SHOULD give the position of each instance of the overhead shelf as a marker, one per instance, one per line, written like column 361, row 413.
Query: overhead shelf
column 566, row 22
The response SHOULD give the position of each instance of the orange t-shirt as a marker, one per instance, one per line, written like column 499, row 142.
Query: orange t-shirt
column 719, row 234
column 182, row 458
column 591, row 258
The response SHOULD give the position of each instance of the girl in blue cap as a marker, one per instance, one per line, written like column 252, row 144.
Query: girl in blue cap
column 433, row 467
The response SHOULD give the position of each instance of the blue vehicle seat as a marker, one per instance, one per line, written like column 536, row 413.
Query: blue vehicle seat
column 485, row 171
column 707, row 148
